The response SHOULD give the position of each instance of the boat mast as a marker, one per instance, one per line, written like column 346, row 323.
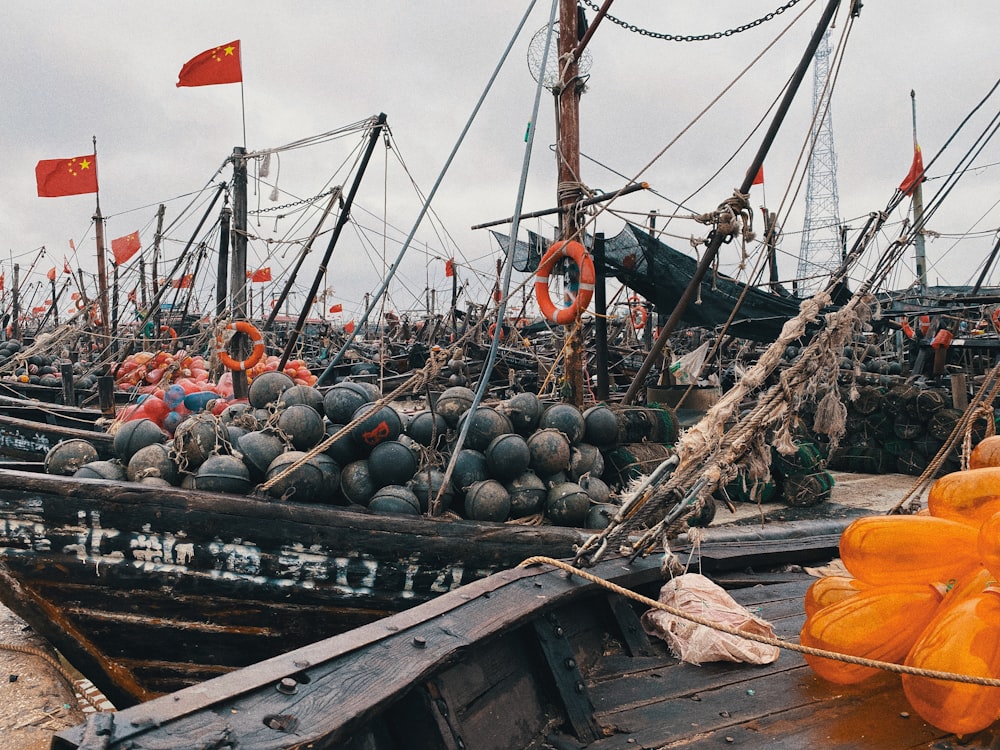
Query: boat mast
column 570, row 189
column 918, row 210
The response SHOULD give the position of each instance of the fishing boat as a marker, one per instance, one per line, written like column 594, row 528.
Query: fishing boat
column 540, row 657
column 148, row 591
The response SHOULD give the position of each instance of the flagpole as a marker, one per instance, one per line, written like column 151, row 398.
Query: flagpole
column 243, row 106
column 918, row 208
column 102, row 272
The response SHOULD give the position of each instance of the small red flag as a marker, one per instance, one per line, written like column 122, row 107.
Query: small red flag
column 337, row 308
column 916, row 174
column 58, row 177
column 125, row 247
column 184, row 282
column 449, row 267
column 758, row 178
column 1, row 280
column 52, row 273
column 260, row 275
column 131, row 295
column 75, row 295
column 349, row 326
column 217, row 65
column 66, row 268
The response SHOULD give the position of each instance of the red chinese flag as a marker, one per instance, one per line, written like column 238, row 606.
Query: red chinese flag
column 759, row 177
column 349, row 326
column 449, row 267
column 66, row 268
column 261, row 275
column 916, row 174
column 183, row 283
column 336, row 308
column 1, row 280
column 125, row 247
column 217, row 65
column 52, row 273
column 58, row 177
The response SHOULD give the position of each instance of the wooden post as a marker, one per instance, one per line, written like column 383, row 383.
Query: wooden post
column 68, row 391
column 601, row 324
column 238, row 268
column 221, row 287
column 155, row 271
column 106, row 395
column 15, row 315
column 102, row 280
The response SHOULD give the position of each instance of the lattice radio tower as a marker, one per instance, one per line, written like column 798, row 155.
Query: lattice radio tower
column 821, row 246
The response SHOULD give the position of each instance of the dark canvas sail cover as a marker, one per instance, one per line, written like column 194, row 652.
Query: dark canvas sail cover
column 661, row 274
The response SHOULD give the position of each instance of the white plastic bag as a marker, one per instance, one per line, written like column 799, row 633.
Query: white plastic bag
column 685, row 369
column 696, row 595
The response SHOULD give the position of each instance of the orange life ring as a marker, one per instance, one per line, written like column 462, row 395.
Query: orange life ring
column 241, row 326
column 637, row 312
column 493, row 330
column 579, row 255
column 171, row 331
column 80, row 303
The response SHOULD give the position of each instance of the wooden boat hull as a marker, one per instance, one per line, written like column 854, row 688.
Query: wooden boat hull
column 147, row 591
column 534, row 658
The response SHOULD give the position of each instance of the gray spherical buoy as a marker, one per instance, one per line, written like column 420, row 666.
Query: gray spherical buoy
column 66, row 456
column 356, row 482
column 485, row 424
column 197, row 438
column 600, row 426
column 508, row 456
column 223, row 474
column 303, row 485
column 550, row 451
column 302, row 424
column 152, row 461
column 523, row 411
column 527, row 494
column 487, row 500
column 266, row 388
column 394, row 499
column 391, row 462
column 136, row 434
column 377, row 427
column 453, row 403
column 259, row 449
column 567, row 504
column 343, row 400
column 303, row 394
column 101, row 470
column 566, row 418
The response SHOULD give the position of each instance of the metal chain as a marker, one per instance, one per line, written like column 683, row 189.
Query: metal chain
column 294, row 203
column 694, row 37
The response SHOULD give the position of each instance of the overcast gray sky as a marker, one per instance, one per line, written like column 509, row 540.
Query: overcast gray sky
column 108, row 69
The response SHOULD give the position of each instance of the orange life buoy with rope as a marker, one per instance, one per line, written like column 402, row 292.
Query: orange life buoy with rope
column 171, row 331
column 637, row 311
column 579, row 255
column 241, row 326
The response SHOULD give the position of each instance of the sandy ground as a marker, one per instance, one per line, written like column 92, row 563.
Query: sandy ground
column 36, row 700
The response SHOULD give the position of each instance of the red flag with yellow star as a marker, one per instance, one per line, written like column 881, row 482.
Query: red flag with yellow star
column 58, row 177
column 217, row 65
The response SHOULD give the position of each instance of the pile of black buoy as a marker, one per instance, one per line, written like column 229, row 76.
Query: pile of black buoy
column 521, row 459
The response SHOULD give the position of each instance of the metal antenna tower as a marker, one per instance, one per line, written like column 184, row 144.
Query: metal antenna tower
column 821, row 247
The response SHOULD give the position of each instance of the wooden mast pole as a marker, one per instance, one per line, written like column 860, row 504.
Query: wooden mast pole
column 570, row 190
column 238, row 267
